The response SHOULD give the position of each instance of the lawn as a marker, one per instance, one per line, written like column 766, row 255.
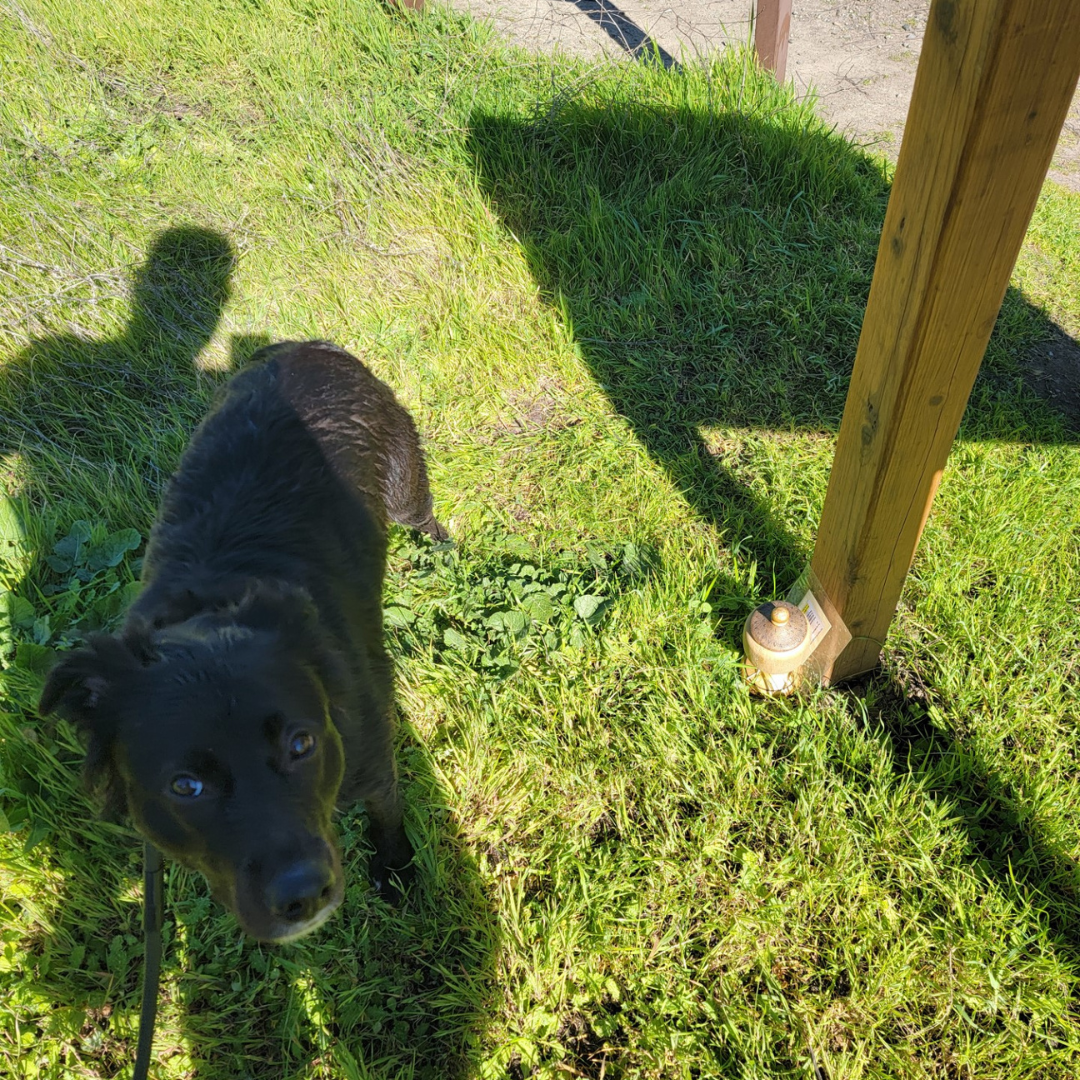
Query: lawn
column 623, row 305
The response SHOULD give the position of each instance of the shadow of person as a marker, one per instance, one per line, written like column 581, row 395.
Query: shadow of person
column 101, row 423
column 96, row 427
column 90, row 429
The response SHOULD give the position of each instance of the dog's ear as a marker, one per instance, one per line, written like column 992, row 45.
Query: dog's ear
column 79, row 688
column 78, row 684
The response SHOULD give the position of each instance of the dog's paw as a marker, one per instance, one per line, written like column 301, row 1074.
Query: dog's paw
column 436, row 530
column 392, row 885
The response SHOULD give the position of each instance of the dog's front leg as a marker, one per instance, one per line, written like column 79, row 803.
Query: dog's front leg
column 393, row 852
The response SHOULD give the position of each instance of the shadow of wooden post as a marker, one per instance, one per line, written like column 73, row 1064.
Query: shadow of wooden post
column 993, row 87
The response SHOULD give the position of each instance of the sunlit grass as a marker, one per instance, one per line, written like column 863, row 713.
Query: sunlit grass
column 622, row 304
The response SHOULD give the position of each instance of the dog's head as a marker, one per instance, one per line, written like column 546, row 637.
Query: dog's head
column 215, row 735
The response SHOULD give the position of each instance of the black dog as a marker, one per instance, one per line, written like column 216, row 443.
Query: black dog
column 249, row 690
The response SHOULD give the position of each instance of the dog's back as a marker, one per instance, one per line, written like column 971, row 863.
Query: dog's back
column 291, row 477
column 366, row 435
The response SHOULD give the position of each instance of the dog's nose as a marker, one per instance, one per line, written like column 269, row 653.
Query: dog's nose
column 299, row 892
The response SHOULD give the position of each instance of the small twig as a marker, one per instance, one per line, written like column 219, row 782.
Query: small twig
column 20, row 260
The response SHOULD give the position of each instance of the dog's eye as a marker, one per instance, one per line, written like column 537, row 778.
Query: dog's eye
column 187, row 787
column 300, row 745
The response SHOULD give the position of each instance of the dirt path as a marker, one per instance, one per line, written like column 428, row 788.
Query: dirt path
column 859, row 55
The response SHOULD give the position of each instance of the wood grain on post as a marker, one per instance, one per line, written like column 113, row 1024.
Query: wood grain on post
column 993, row 86
column 772, row 26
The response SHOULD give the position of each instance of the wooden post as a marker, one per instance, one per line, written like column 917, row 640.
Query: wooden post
column 992, row 90
column 772, row 25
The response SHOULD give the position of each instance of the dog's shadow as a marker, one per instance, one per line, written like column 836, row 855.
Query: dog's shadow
column 92, row 429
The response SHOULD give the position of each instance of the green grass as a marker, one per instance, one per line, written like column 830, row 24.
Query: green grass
column 623, row 305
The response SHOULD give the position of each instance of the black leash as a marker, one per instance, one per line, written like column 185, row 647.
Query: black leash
column 153, row 917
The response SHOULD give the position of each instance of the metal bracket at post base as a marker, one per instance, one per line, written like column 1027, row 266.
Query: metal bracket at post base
column 830, row 634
